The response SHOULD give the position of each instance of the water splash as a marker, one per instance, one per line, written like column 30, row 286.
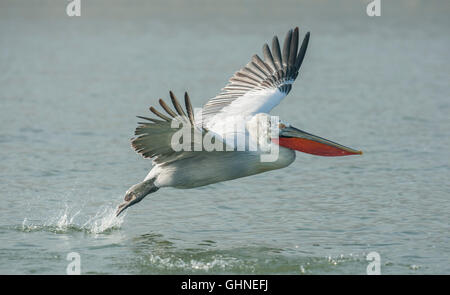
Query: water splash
column 64, row 220
column 205, row 264
column 104, row 220
column 72, row 220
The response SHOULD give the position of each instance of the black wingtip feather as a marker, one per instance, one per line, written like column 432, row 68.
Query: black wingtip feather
column 293, row 50
column 187, row 102
column 177, row 105
column 276, row 53
column 286, row 48
column 167, row 108
column 162, row 116
column 301, row 53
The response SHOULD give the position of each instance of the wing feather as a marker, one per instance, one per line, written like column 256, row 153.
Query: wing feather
column 276, row 53
column 262, row 82
column 177, row 105
column 268, row 58
column 286, row 49
column 167, row 108
column 154, row 136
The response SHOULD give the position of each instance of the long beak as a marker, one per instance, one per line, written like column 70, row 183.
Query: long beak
column 299, row 140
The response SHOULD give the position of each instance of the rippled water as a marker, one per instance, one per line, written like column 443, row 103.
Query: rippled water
column 70, row 88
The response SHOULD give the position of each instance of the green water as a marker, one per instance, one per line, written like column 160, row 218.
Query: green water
column 70, row 89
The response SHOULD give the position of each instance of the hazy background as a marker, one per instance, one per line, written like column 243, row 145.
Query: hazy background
column 70, row 88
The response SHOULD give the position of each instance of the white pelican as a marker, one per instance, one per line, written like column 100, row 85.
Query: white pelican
column 248, row 97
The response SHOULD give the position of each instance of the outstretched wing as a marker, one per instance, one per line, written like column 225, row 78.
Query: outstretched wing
column 154, row 137
column 261, row 84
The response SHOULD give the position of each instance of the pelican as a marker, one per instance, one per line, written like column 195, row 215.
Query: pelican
column 251, row 93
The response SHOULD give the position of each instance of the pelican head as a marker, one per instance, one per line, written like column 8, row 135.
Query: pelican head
column 262, row 128
column 136, row 193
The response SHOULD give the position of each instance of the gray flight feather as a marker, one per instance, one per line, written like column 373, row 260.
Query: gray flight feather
column 153, row 138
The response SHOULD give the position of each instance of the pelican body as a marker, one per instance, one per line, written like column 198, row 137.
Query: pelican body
column 245, row 101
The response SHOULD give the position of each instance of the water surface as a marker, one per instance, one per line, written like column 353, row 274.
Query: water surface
column 70, row 88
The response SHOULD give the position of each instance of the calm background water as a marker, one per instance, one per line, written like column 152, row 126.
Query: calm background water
column 70, row 89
